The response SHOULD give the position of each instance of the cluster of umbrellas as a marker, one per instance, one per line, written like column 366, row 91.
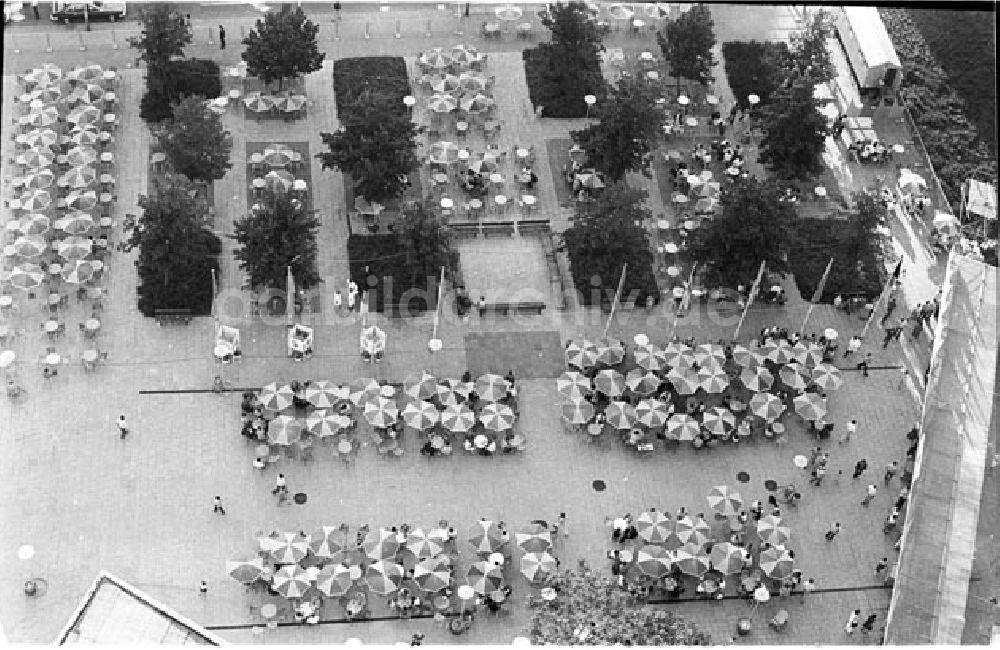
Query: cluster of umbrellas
column 690, row 371
column 464, row 88
column 279, row 180
column 258, row 102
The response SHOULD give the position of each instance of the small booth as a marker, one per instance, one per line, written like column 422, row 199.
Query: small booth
column 868, row 48
column 300, row 342
column 372, row 344
column 227, row 344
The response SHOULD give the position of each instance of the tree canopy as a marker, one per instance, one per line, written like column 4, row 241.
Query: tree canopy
column 376, row 146
column 808, row 56
column 752, row 226
column 603, row 238
column 796, row 133
column 426, row 239
column 195, row 142
column 177, row 249
column 282, row 45
column 687, row 42
column 275, row 238
column 164, row 34
column 572, row 29
column 628, row 127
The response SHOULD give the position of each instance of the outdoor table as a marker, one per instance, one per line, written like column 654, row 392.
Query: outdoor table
column 354, row 571
column 91, row 325
column 548, row 593
column 268, row 610
column 749, row 583
column 670, row 247
column 463, row 154
column 109, row 119
column 259, row 183
column 109, row 75
column 646, row 56
column 441, row 602
column 257, row 158
column 711, row 586
column 355, row 605
column 104, row 137
column 491, row 125
column 345, row 446
column 234, row 95
column 678, row 293
column 387, row 391
column 522, row 154
column 737, row 406
column 52, row 359
column 641, row 339
column 51, row 326
column 638, row 24
column 663, row 224
column 93, row 293
column 439, row 178
column 89, row 356
column 529, row 200
column 481, row 441
column 690, row 224
column 110, row 97
column 500, row 200
column 107, row 157
column 497, row 559
column 107, row 179
column 54, row 299
column 6, row 300
column 595, row 429
column 492, row 28
column 625, row 555
column 673, row 271
column 7, row 358
column 105, row 197
column 15, row 204
column 4, row 331
column 105, row 222
column 262, row 451
column 299, row 185
column 652, row 75
column 25, row 98
column 461, row 127
column 475, row 204
column 447, row 203
column 777, row 427
column 898, row 148
column 496, row 179
column 437, row 442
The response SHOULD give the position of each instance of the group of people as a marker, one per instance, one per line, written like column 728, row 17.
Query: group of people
column 871, row 151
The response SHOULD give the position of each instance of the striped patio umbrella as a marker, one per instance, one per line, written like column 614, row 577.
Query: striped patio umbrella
column 778, row 351
column 381, row 544
column 814, row 354
column 36, row 200
column 420, row 415
column 776, row 562
column 324, row 394
column 86, row 93
column 85, row 138
column 485, row 537
column 90, row 72
column 431, row 577
column 642, row 381
column 536, row 567
column 794, row 376
column 445, row 84
column 383, row 577
column 767, row 406
column 713, row 378
column 75, row 248
column 577, row 411
column 686, row 381
column 279, row 181
column 678, row 355
column 439, row 535
column 34, row 224
column 810, row 406
column 497, row 417
column 683, row 426
column 491, row 387
column 446, row 395
column 323, row 424
column 573, row 385
column 463, row 54
column 653, row 561
column 442, row 103
column 436, row 58
column 478, row 103
column 381, row 412
column 620, row 415
column 334, row 580
column 258, row 102
column 800, row 353
column 653, row 526
column 245, row 570
column 486, row 164
column 706, row 352
column 443, row 152
column 77, row 271
column 85, row 114
column 420, row 385
column 773, row 530
column 472, row 82
column 534, row 538
column 41, row 138
column 327, row 541
column 692, row 560
column 756, row 378
column 275, row 397
column 582, row 354
column 45, row 116
column 718, row 421
column 76, row 223
column 27, row 276
column 48, row 94
column 610, row 352
column 827, row 377
column 291, row 581
column 45, row 75
column 284, row 430
column 81, row 200
column 289, row 103
column 40, row 180
column 458, row 418
column 610, row 382
column 360, row 391
column 278, row 154
column 36, row 158
column 725, row 500
column 289, row 548
column 30, row 245
column 649, row 357
column 421, row 545
column 652, row 412
column 726, row 558
column 692, row 530
column 484, row 577
column 79, row 177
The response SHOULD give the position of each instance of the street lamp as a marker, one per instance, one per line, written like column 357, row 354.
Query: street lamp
column 589, row 100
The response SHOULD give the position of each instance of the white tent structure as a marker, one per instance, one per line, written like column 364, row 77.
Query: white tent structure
column 868, row 47
column 980, row 199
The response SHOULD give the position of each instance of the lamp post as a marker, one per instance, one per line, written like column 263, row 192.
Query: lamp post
column 589, row 100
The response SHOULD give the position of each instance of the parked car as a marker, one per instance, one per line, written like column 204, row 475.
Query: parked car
column 95, row 9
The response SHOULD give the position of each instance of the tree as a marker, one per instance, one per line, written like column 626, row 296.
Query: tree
column 808, row 56
column 164, row 35
column 687, row 42
column 195, row 142
column 275, row 238
column 753, row 226
column 628, row 126
column 603, row 238
column 176, row 80
column 178, row 251
column 796, row 133
column 282, row 46
column 427, row 241
column 376, row 146
column 572, row 29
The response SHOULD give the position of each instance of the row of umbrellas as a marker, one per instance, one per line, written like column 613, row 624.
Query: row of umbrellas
column 444, row 152
column 440, row 59
column 30, row 276
column 587, row 354
column 691, row 559
column 46, row 115
column 259, row 102
column 472, row 103
column 49, row 73
column 469, row 82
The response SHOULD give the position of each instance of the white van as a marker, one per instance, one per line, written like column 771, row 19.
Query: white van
column 68, row 11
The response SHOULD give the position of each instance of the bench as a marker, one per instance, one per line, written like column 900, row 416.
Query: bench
column 534, row 226
column 172, row 316
column 464, row 229
column 499, row 228
column 505, row 308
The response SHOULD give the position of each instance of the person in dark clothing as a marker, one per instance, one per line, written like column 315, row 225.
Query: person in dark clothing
column 889, row 308
column 860, row 467
column 222, row 37
column 863, row 364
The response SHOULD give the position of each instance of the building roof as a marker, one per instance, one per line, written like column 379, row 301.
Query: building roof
column 876, row 46
column 116, row 613
column 931, row 592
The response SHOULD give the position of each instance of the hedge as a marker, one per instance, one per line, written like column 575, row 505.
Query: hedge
column 752, row 69
column 383, row 75
column 383, row 257
column 559, row 87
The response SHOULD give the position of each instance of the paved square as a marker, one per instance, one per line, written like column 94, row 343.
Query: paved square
column 505, row 269
column 531, row 355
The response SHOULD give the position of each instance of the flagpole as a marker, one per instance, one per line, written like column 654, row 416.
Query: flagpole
column 753, row 292
column 437, row 310
column 614, row 302
column 684, row 300
column 816, row 296
column 885, row 291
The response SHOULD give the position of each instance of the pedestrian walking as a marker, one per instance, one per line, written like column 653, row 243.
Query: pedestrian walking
column 817, row 476
column 833, row 532
column 869, row 623
column 853, row 345
column 203, row 588
column 869, row 494
column 561, row 524
column 338, row 300
column 280, row 485
column 849, row 430
column 808, row 587
column 258, row 463
column 890, row 471
column 904, row 494
column 926, row 311
column 222, row 37
column 859, row 468
column 122, row 427
column 217, row 506
column 881, row 565
column 890, row 521
column 903, row 374
column 853, row 621
column 352, row 294
column 891, row 334
column 889, row 308
column 863, row 364
column 814, row 456
column 756, row 509
column 482, row 306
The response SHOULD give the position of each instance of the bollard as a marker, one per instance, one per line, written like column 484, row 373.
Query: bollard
column 398, row 35
column 114, row 40
column 83, row 46
column 427, row 32
column 336, row 31
column 368, row 33
column 17, row 50
column 210, row 36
